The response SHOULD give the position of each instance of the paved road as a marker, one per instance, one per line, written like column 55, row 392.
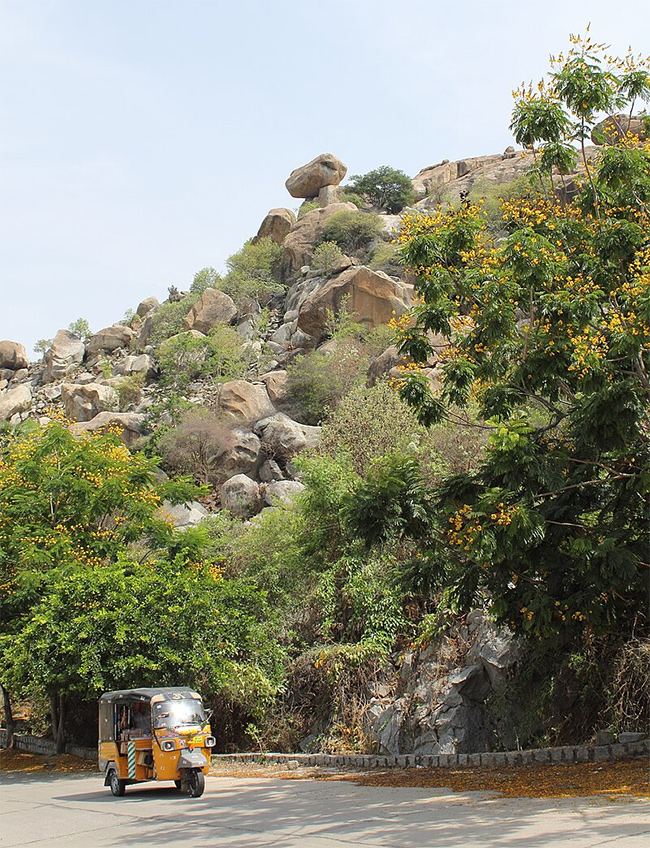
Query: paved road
column 77, row 812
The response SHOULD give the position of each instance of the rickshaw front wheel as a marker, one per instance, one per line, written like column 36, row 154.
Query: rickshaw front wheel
column 118, row 787
column 196, row 783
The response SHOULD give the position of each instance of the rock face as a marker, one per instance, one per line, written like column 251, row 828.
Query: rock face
column 84, row 402
column 373, row 296
column 213, row 307
column 110, row 339
column 299, row 243
column 616, row 128
column 241, row 496
column 130, row 424
column 276, row 225
column 15, row 400
column 66, row 353
column 244, row 401
column 309, row 179
column 431, row 712
column 13, row 355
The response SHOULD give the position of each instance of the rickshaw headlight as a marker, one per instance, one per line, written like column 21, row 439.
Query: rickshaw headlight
column 168, row 745
column 210, row 742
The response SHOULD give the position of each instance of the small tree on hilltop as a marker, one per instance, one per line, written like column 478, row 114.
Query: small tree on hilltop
column 386, row 188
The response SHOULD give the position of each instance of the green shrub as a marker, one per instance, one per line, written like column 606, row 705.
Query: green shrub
column 368, row 423
column 317, row 383
column 206, row 278
column 253, row 272
column 350, row 196
column 307, row 206
column 129, row 391
column 385, row 258
column 183, row 357
column 168, row 318
column 386, row 188
column 352, row 231
column 327, row 254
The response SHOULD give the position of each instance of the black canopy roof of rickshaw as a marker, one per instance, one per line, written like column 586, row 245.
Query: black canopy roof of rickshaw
column 146, row 694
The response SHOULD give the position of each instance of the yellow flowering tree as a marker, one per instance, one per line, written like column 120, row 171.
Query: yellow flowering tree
column 548, row 330
column 70, row 503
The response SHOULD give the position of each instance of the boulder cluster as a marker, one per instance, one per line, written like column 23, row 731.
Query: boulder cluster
column 83, row 379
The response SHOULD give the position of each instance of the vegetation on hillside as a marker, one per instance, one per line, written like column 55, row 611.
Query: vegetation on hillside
column 518, row 482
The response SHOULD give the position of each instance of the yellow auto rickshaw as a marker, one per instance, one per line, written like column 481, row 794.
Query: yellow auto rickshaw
column 154, row 734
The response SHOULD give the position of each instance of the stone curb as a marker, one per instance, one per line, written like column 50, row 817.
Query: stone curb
column 567, row 754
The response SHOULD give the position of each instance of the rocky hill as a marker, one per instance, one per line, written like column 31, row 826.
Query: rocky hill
column 113, row 375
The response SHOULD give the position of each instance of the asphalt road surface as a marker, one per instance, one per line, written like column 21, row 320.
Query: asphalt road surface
column 78, row 812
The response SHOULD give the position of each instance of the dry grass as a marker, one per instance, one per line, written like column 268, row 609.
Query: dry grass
column 630, row 778
column 11, row 760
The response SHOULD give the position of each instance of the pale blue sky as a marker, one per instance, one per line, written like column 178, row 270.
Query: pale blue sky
column 145, row 139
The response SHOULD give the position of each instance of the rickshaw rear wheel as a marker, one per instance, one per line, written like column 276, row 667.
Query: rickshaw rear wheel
column 196, row 783
column 118, row 787
column 179, row 784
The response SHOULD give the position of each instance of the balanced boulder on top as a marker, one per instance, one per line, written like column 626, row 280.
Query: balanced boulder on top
column 309, row 179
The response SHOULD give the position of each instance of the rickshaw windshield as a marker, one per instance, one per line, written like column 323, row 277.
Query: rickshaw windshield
column 178, row 713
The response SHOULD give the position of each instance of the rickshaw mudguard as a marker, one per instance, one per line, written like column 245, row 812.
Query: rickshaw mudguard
column 191, row 759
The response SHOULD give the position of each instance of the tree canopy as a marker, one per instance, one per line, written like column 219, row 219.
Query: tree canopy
column 548, row 330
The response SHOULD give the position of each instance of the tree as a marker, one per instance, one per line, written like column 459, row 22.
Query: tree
column 69, row 502
column 386, row 188
column 548, row 330
column 253, row 272
column 125, row 624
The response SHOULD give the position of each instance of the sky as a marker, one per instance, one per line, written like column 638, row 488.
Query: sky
column 143, row 140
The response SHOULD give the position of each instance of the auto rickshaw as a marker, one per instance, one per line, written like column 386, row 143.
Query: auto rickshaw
column 154, row 734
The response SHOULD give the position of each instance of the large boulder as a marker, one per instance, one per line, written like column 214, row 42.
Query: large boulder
column 110, row 339
column 305, row 233
column 12, row 401
column 145, row 306
column 282, row 492
column 239, row 453
column 66, row 353
column 309, row 179
column 373, row 297
column 212, row 308
column 129, row 424
column 84, row 402
column 616, row 128
column 182, row 516
column 13, row 355
column 276, row 385
column 244, row 401
column 276, row 225
column 241, row 496
column 131, row 365
column 282, row 437
column 383, row 364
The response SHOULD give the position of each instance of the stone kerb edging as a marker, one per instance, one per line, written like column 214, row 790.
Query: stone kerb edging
column 568, row 754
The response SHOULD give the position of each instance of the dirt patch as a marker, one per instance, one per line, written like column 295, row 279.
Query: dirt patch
column 621, row 779
column 12, row 760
